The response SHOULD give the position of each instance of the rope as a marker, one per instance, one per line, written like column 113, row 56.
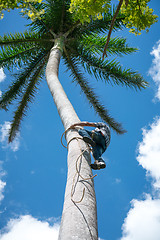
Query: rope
column 77, row 172
column 79, row 157
column 65, row 134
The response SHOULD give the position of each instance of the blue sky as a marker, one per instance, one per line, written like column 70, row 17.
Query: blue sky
column 33, row 168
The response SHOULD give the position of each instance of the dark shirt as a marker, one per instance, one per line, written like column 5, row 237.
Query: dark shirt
column 105, row 130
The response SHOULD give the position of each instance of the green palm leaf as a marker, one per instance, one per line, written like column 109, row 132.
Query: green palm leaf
column 18, row 49
column 16, row 88
column 28, row 96
column 22, row 38
column 16, row 56
column 57, row 18
column 95, row 44
column 110, row 71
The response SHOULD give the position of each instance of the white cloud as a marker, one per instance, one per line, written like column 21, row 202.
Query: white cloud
column 143, row 219
column 154, row 71
column 149, row 151
column 14, row 146
column 2, row 75
column 28, row 228
column 2, row 183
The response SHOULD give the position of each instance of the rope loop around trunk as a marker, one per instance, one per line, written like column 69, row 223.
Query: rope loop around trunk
column 77, row 161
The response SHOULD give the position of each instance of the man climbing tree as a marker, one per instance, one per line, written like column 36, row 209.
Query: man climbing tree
column 99, row 139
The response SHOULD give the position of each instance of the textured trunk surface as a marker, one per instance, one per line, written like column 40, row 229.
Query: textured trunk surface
column 79, row 220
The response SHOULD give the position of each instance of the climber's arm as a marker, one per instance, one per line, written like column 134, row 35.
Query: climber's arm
column 88, row 124
column 83, row 124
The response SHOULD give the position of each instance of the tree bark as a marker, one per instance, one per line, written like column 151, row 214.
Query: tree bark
column 79, row 217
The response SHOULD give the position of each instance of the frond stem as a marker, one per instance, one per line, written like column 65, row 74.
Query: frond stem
column 25, row 41
column 13, row 56
column 111, row 27
column 72, row 29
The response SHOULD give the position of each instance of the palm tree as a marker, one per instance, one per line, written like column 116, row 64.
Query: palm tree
column 41, row 47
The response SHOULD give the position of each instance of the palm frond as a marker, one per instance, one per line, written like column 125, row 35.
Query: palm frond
column 118, row 46
column 58, row 9
column 95, row 44
column 110, row 71
column 28, row 96
column 57, row 18
column 16, row 88
column 40, row 25
column 16, row 56
column 20, row 38
column 90, row 95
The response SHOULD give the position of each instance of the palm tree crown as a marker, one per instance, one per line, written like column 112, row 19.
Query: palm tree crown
column 82, row 47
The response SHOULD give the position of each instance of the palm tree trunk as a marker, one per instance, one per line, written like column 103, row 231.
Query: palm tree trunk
column 79, row 217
